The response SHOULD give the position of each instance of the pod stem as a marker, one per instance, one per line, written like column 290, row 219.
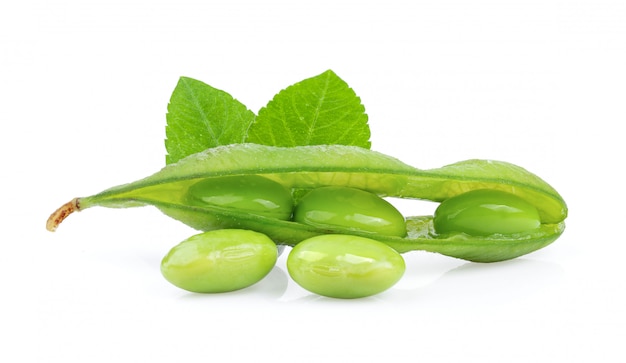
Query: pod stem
column 60, row 214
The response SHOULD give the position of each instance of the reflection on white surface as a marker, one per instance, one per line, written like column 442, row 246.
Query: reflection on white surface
column 444, row 282
column 491, row 284
column 272, row 287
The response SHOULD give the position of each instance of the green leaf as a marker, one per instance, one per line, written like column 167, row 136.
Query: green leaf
column 201, row 117
column 321, row 110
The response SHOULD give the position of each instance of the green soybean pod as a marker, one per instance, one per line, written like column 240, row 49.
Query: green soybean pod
column 220, row 261
column 249, row 193
column 349, row 208
column 310, row 167
column 344, row 266
column 485, row 212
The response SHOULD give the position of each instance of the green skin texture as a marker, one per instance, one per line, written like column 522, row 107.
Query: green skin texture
column 344, row 266
column 220, row 261
column 354, row 209
column 248, row 193
column 486, row 212
column 304, row 168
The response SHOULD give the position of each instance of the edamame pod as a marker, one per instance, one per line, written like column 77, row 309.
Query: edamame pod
column 309, row 167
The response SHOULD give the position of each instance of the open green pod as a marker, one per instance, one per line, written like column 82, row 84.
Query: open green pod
column 309, row 167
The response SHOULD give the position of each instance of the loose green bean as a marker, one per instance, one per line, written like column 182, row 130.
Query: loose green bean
column 220, row 261
column 344, row 266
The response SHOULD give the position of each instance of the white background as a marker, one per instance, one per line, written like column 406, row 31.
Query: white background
column 84, row 87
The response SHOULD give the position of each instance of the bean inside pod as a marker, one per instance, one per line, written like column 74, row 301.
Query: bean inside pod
column 247, row 193
column 350, row 208
column 485, row 212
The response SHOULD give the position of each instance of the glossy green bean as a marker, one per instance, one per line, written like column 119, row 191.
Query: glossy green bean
column 354, row 209
column 344, row 266
column 247, row 193
column 485, row 212
column 220, row 261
